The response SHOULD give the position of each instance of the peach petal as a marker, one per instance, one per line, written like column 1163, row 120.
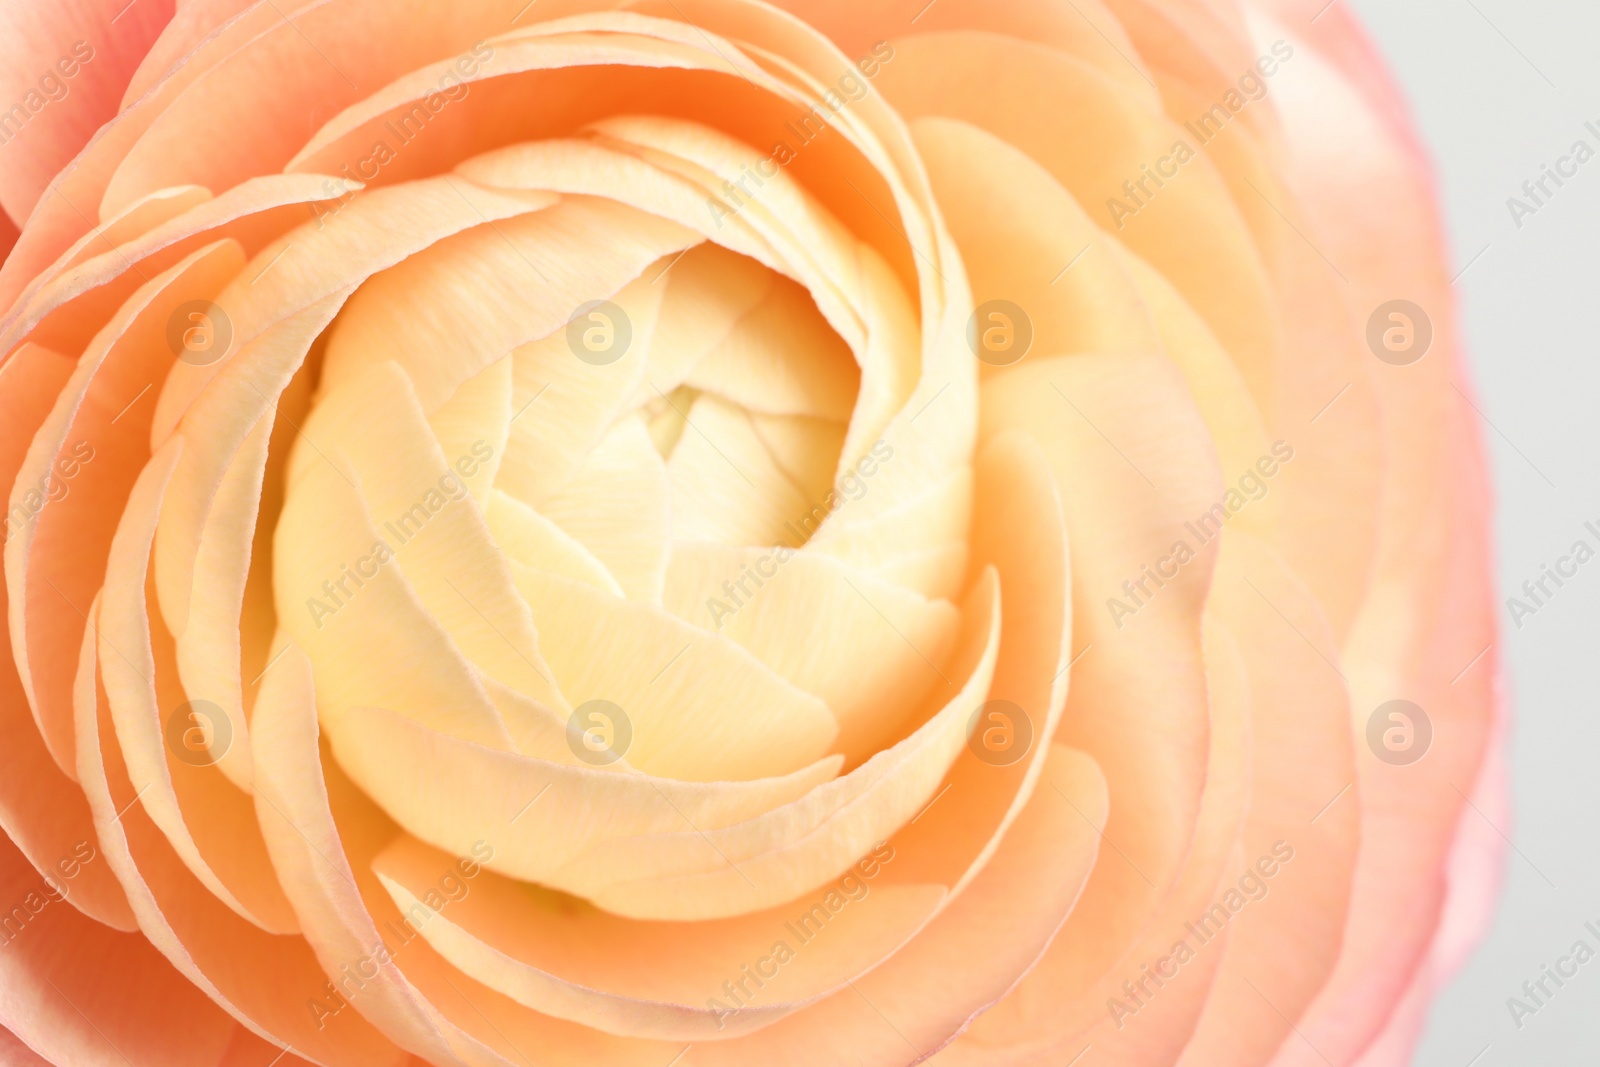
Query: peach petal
column 996, row 83
column 970, row 956
column 209, row 651
column 74, row 991
column 1283, row 947
column 657, row 980
column 1033, row 246
column 247, row 971
column 98, row 431
column 18, row 1054
column 41, row 810
column 1019, row 531
column 330, row 256
column 134, row 221
column 293, row 805
column 1087, row 29
column 65, row 307
column 1428, row 615
column 494, row 788
column 90, row 47
column 1237, row 426
column 616, row 45
column 1051, row 1015
column 194, row 806
column 1133, row 464
column 1331, row 492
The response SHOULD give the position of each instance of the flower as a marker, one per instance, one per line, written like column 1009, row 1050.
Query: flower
column 721, row 532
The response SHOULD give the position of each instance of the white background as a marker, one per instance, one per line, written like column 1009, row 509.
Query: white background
column 1500, row 88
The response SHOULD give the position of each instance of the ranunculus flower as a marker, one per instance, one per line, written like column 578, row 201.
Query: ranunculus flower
column 715, row 532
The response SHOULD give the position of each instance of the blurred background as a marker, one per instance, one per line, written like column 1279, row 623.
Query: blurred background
column 1501, row 89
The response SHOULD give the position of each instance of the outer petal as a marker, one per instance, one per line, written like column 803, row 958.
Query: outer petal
column 100, row 42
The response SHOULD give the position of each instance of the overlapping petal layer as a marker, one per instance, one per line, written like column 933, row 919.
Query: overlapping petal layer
column 726, row 531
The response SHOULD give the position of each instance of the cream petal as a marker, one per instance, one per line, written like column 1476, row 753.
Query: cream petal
column 781, row 358
column 708, row 711
column 619, row 507
column 479, row 414
column 532, row 540
column 772, row 857
column 373, row 433
column 495, row 288
column 325, row 530
column 870, row 649
column 726, row 487
column 566, row 405
column 709, row 290
column 474, row 793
